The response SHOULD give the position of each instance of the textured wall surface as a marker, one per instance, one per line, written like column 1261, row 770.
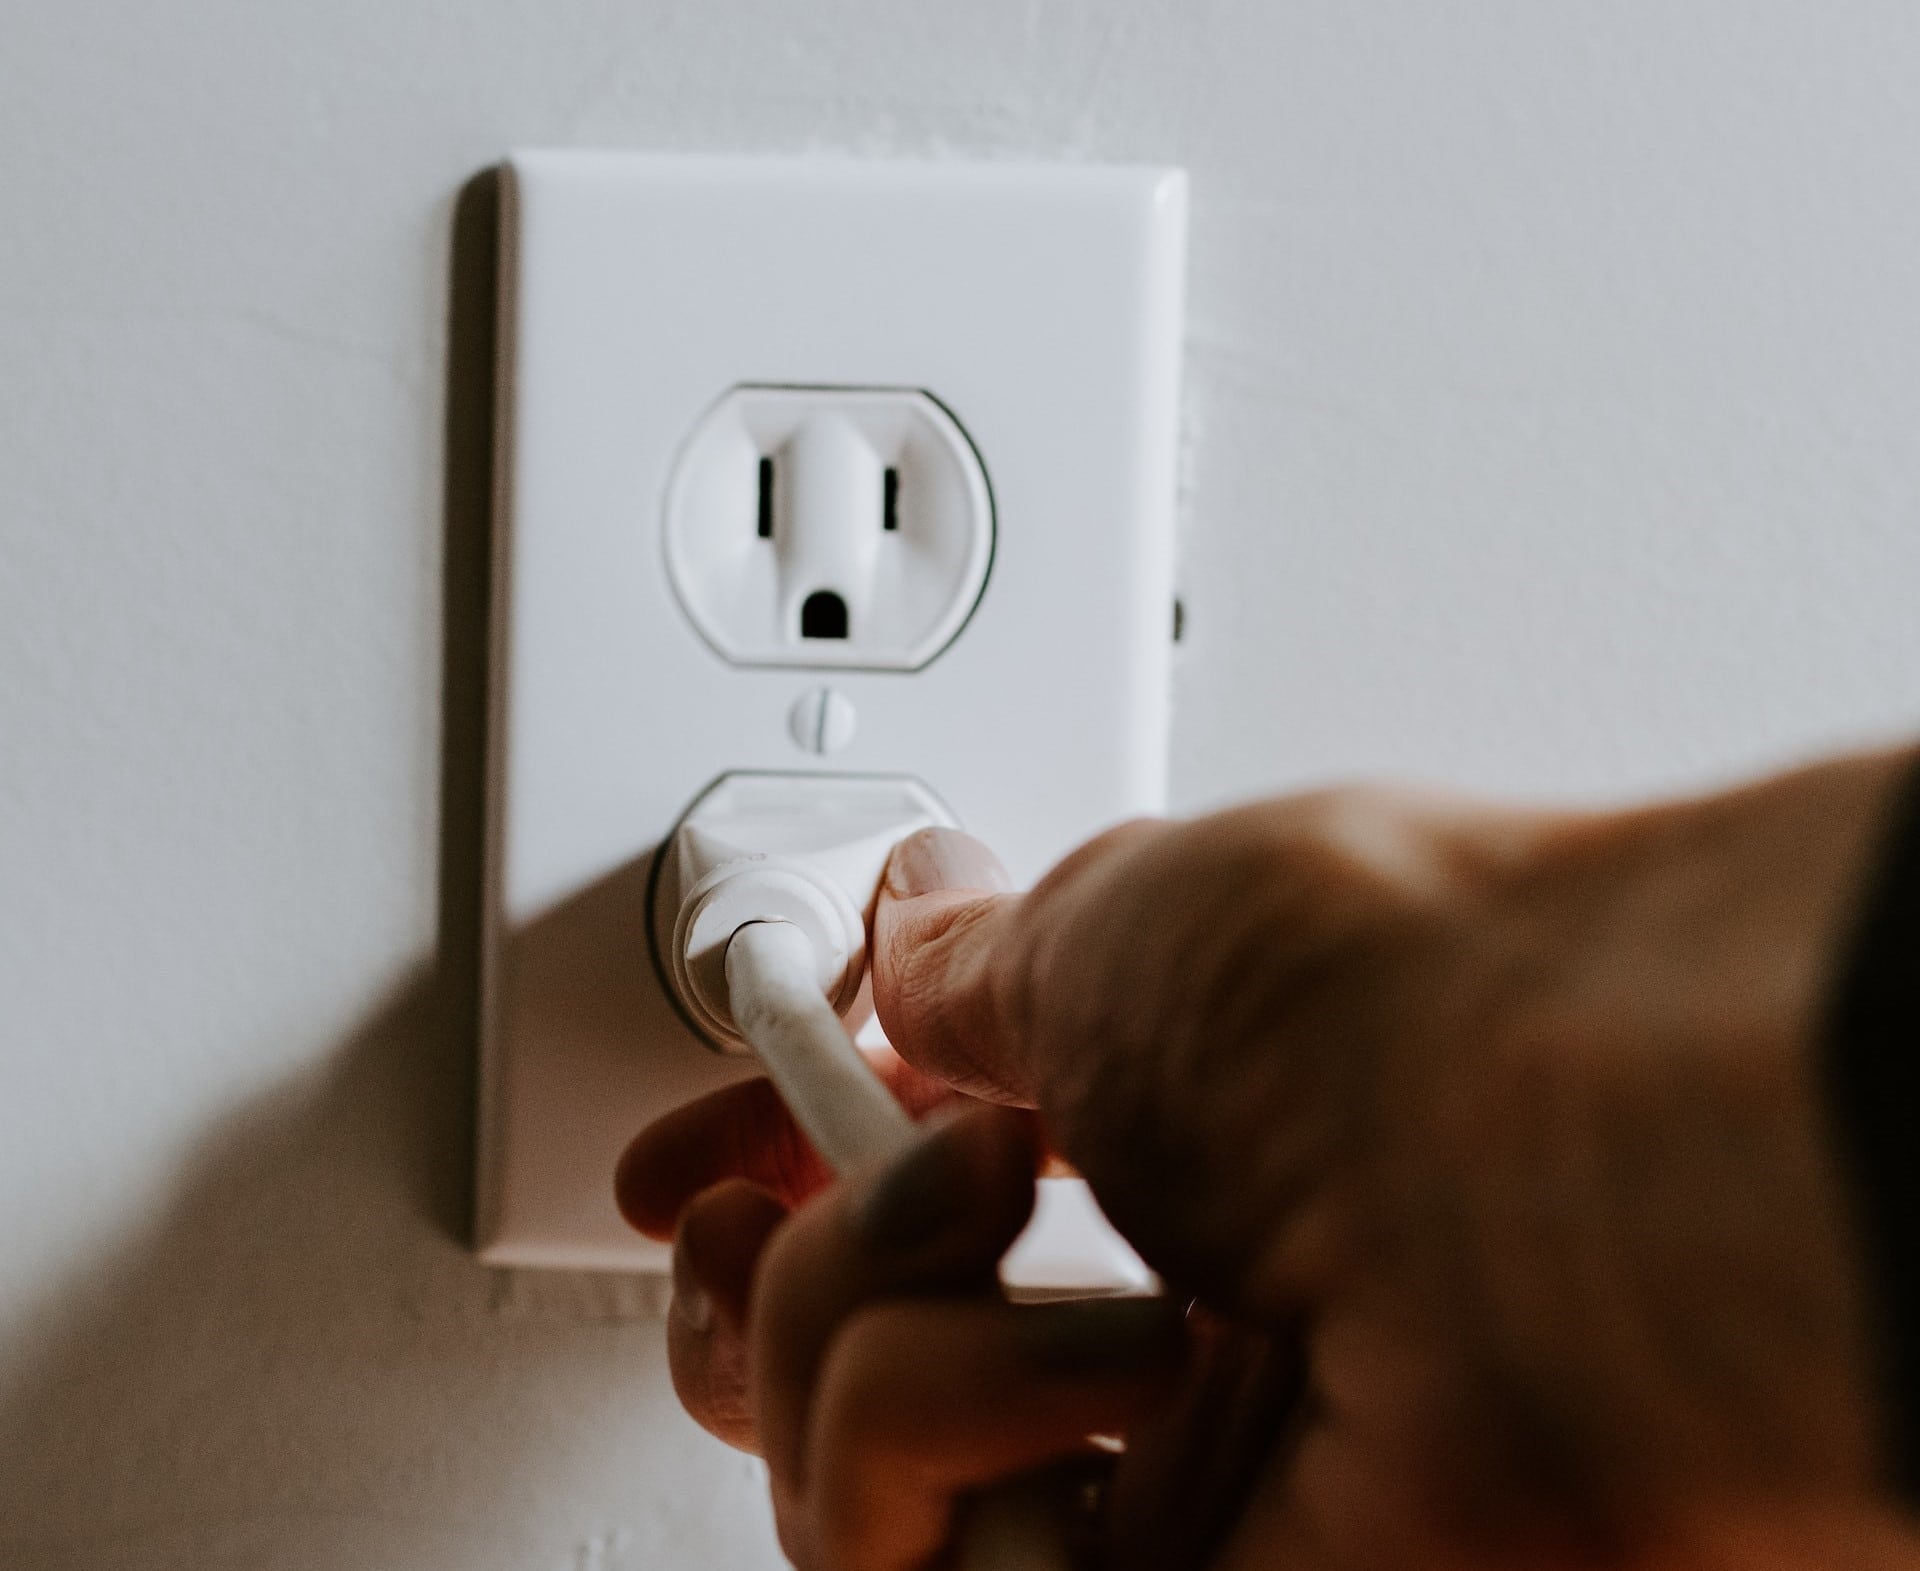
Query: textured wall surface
column 1553, row 387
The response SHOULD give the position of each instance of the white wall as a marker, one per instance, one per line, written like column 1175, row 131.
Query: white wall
column 1554, row 377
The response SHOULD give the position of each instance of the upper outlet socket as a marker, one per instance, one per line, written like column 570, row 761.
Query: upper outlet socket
column 824, row 526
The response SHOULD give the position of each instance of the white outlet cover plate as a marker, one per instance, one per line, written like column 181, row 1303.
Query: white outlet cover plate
column 1042, row 305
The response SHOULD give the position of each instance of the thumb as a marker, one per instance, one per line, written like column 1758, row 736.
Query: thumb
column 943, row 939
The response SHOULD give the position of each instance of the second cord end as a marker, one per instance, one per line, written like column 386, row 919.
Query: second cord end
column 764, row 890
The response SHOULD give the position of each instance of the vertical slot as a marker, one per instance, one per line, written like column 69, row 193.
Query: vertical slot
column 766, row 498
column 890, row 500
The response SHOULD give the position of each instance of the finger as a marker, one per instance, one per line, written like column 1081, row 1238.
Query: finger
column 722, row 1236
column 941, row 923
column 952, row 952
column 1337, row 1499
column 1190, row 1467
column 937, row 1219
column 921, row 1402
column 740, row 1131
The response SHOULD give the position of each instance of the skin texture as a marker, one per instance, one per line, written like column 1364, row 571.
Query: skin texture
column 1481, row 1151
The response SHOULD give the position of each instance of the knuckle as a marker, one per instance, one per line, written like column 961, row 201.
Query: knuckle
column 872, row 1357
column 872, row 1443
column 713, row 1208
column 1097, row 854
column 791, row 1532
column 839, row 1522
column 711, row 1385
column 1374, row 867
column 787, row 1265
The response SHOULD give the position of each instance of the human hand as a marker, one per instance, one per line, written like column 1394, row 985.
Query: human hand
column 1507, row 1118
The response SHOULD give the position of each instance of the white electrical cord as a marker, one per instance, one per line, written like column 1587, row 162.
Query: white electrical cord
column 773, row 991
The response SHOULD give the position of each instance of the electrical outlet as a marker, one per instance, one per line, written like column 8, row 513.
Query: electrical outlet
column 826, row 526
column 942, row 395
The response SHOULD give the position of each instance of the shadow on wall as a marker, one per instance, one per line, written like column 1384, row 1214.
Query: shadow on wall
column 300, row 1364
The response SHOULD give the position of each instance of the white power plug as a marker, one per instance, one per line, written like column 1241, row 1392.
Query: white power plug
column 804, row 849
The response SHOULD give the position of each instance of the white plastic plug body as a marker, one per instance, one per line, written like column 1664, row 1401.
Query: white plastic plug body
column 820, row 526
column 804, row 849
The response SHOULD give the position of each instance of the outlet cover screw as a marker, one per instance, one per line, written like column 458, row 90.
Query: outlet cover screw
column 822, row 720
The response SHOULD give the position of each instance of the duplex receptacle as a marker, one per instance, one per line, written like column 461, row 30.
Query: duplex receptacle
column 893, row 497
